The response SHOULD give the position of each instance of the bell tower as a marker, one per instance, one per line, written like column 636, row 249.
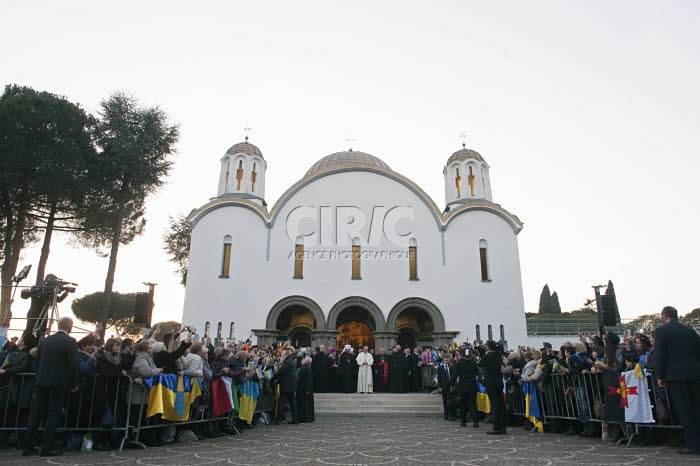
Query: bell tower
column 466, row 177
column 243, row 173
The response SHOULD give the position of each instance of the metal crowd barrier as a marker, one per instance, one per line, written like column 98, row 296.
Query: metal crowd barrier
column 199, row 412
column 582, row 398
column 266, row 399
column 83, row 409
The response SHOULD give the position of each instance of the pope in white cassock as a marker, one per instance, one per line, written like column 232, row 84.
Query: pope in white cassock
column 364, row 374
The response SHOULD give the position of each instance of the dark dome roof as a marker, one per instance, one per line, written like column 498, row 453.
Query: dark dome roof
column 347, row 158
column 244, row 148
column 464, row 154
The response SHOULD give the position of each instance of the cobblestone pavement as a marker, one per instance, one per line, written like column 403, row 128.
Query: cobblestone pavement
column 377, row 439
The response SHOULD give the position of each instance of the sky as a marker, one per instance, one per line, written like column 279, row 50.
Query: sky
column 586, row 112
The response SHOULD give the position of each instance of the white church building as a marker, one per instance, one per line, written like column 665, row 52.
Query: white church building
column 356, row 253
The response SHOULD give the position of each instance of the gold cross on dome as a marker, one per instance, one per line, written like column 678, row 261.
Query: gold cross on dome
column 247, row 129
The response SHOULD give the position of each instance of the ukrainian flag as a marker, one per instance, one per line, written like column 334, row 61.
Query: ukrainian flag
column 249, row 398
column 532, row 405
column 172, row 395
column 482, row 399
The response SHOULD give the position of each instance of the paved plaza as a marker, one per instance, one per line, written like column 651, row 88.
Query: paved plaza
column 376, row 439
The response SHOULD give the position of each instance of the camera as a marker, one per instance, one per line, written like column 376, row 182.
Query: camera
column 50, row 286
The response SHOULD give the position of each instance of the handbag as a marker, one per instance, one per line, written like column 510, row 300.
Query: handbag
column 663, row 416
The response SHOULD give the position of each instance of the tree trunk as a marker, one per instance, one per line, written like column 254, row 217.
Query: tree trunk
column 45, row 248
column 109, row 281
column 14, row 240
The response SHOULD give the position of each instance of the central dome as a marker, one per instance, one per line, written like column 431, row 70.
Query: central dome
column 349, row 158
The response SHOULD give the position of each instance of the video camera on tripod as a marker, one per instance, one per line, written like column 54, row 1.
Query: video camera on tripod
column 50, row 286
column 44, row 298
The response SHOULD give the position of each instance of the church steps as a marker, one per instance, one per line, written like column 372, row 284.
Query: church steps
column 378, row 403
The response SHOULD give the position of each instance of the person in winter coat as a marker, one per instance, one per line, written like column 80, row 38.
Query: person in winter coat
column 194, row 362
column 16, row 386
column 108, row 387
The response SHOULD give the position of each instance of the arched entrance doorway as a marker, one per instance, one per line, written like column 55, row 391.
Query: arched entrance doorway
column 356, row 327
column 415, row 327
column 296, row 323
column 295, row 318
column 407, row 339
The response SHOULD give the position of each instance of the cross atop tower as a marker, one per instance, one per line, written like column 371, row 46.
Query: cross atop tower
column 246, row 129
column 463, row 137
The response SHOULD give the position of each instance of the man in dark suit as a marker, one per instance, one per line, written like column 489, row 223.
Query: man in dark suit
column 492, row 362
column 57, row 374
column 677, row 353
column 445, row 375
column 466, row 372
column 287, row 378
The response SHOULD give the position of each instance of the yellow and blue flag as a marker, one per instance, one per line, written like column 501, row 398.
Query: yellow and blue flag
column 249, row 398
column 483, row 403
column 532, row 405
column 172, row 395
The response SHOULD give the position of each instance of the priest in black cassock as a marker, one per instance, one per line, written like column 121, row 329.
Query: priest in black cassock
column 397, row 369
column 319, row 369
column 380, row 372
column 346, row 370
column 408, row 371
column 305, row 392
column 333, row 382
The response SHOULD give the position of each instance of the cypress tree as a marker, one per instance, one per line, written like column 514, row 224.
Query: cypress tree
column 545, row 301
column 556, row 307
column 610, row 290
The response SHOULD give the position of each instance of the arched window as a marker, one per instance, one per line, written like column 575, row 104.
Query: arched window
column 503, row 333
column 484, row 261
column 226, row 259
column 253, row 178
column 230, row 331
column 490, row 332
column 478, row 333
column 299, row 258
column 356, row 256
column 218, row 334
column 413, row 259
column 206, row 329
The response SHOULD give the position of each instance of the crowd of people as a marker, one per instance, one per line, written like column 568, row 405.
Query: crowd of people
column 76, row 383
column 63, row 383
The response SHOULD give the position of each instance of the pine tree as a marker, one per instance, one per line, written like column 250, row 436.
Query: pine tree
column 610, row 290
column 545, row 301
column 135, row 144
column 556, row 307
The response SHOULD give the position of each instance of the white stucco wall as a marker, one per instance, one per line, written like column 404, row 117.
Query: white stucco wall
column 256, row 284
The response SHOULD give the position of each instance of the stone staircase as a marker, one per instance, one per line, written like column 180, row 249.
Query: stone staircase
column 414, row 404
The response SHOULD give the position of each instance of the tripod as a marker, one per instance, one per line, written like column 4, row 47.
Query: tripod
column 47, row 316
column 43, row 310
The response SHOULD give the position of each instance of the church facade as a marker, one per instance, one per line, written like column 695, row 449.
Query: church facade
column 354, row 253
